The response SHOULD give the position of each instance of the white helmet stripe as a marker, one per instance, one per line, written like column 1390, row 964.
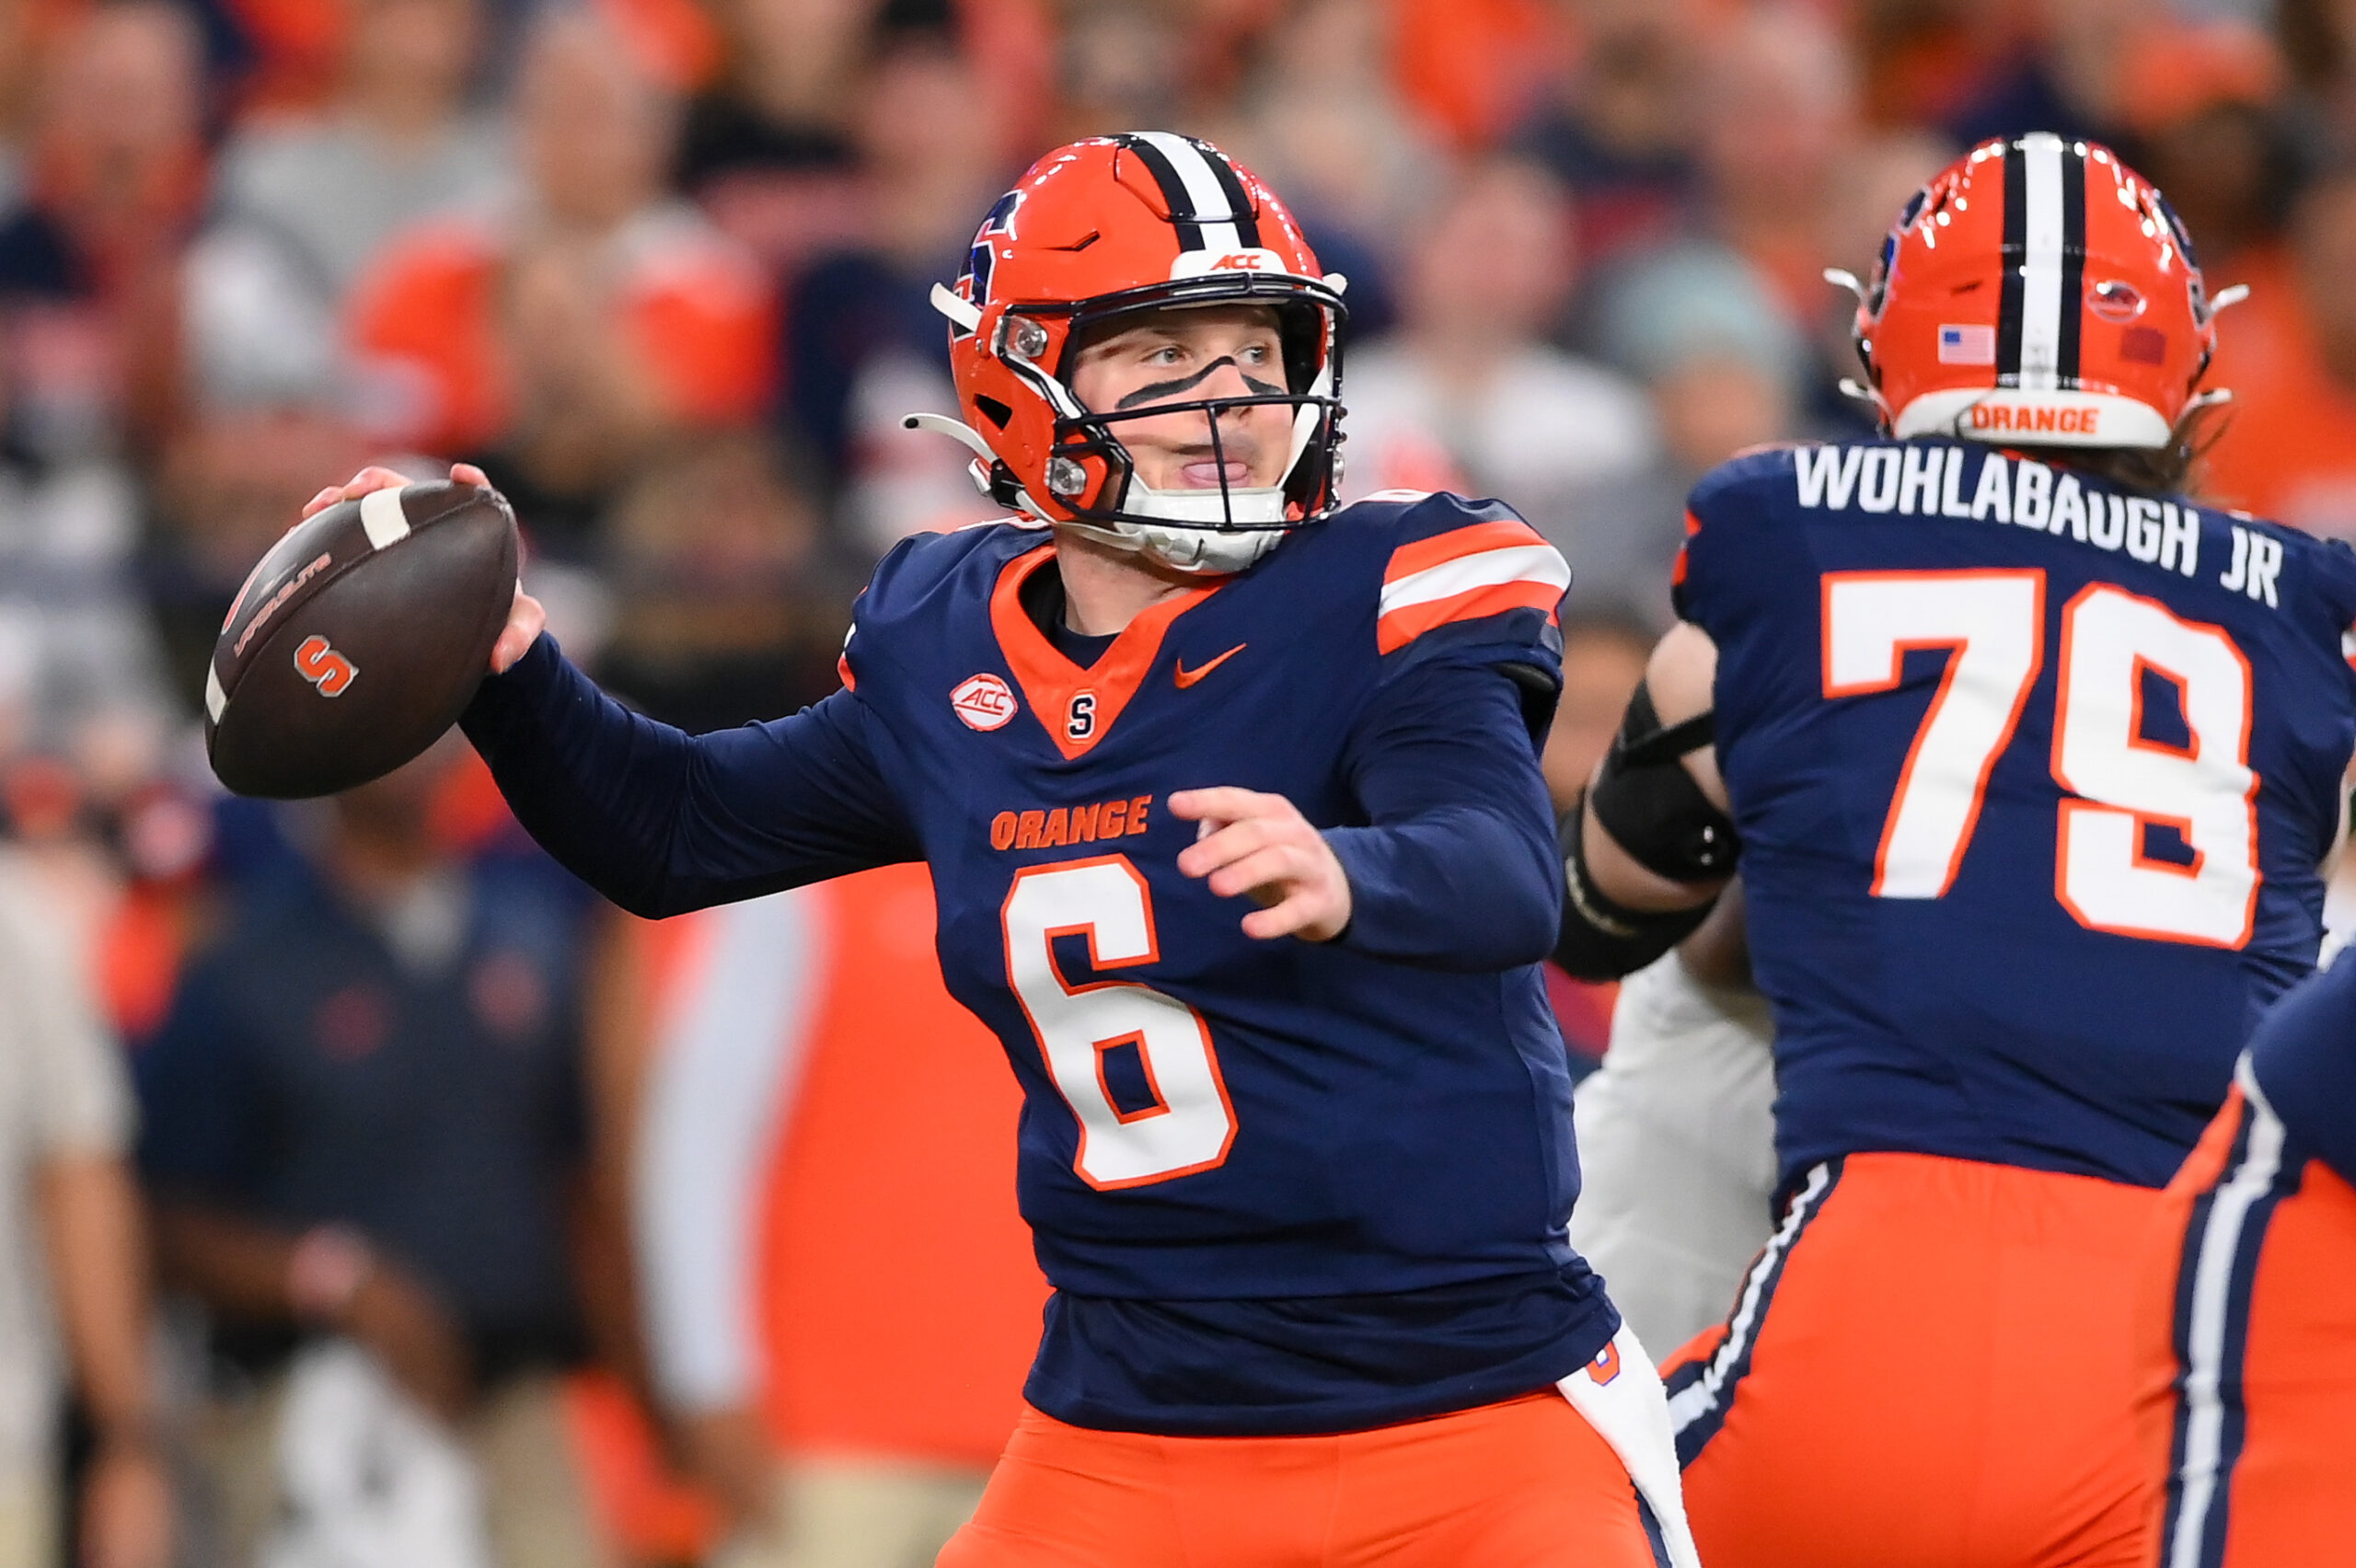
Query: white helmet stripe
column 2042, row 262
column 1203, row 190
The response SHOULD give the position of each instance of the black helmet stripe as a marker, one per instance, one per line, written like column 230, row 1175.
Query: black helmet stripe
column 1239, row 203
column 1174, row 190
column 1206, row 202
column 2045, row 247
column 2008, row 308
column 2073, row 265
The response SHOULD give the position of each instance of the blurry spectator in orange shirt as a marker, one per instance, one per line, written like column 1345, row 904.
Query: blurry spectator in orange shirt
column 2288, row 444
column 88, row 255
column 1471, row 68
column 563, row 339
column 304, row 203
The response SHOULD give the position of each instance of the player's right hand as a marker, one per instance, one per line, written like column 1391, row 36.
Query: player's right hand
column 413, row 1337
column 1255, row 843
column 526, row 618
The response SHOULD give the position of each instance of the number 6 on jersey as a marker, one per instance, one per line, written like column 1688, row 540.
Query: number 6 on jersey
column 1106, row 901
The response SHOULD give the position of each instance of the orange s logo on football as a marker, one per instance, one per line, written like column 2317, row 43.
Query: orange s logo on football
column 324, row 668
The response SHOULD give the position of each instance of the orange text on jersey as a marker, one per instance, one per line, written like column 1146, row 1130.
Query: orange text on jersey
column 1072, row 825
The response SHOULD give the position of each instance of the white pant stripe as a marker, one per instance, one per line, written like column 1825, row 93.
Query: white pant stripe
column 1697, row 1399
column 2213, row 1279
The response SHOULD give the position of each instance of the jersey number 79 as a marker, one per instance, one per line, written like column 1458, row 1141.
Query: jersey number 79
column 2116, row 781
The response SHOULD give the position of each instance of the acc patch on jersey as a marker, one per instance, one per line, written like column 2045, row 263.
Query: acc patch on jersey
column 984, row 702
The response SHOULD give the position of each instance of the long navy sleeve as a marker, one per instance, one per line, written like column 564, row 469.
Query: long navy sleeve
column 662, row 822
column 1458, row 870
column 2303, row 1053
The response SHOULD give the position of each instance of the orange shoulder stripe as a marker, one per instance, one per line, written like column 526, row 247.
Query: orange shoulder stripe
column 1455, row 544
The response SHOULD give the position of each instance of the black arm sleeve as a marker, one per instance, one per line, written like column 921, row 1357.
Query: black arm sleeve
column 1600, row 940
column 662, row 822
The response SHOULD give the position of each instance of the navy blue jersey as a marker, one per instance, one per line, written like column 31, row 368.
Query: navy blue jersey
column 2034, row 778
column 2304, row 1056
column 1279, row 1186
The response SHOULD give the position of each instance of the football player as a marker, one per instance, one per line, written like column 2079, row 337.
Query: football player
column 1300, row 1177
column 2248, row 1331
column 2030, row 763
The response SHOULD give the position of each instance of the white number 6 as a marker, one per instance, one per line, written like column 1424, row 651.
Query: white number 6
column 1191, row 1125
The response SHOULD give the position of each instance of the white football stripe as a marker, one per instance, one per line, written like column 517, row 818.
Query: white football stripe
column 1485, row 569
column 2041, row 263
column 1202, row 188
column 215, row 700
column 381, row 516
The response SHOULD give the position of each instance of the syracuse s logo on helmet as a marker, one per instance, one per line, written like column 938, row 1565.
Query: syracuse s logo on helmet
column 983, row 701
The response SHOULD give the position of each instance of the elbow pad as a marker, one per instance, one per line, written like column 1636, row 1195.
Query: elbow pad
column 1652, row 807
column 1603, row 941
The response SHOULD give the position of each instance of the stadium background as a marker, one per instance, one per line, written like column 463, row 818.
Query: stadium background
column 661, row 266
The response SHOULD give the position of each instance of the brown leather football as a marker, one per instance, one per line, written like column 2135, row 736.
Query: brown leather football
column 359, row 640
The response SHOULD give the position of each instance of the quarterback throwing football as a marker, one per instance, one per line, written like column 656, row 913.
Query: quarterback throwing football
column 1299, row 1174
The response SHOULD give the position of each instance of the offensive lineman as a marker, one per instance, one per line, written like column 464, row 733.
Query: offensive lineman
column 2030, row 765
column 1300, row 1181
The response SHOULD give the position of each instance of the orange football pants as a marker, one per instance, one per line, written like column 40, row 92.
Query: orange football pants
column 1523, row 1484
column 2248, row 1347
column 1929, row 1366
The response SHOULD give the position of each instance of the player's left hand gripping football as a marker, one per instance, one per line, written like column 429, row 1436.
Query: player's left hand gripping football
column 525, row 618
column 1262, row 845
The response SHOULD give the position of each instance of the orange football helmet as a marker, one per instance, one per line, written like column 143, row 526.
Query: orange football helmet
column 1103, row 228
column 2037, row 291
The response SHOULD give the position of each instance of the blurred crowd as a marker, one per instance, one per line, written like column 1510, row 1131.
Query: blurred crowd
column 695, row 1242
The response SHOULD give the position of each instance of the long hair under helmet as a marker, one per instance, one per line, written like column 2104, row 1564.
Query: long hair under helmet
column 2038, row 292
column 1108, row 228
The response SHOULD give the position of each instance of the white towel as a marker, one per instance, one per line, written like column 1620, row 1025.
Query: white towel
column 370, row 1480
column 1621, row 1395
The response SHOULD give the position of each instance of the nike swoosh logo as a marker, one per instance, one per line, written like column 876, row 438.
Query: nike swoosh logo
column 1187, row 677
